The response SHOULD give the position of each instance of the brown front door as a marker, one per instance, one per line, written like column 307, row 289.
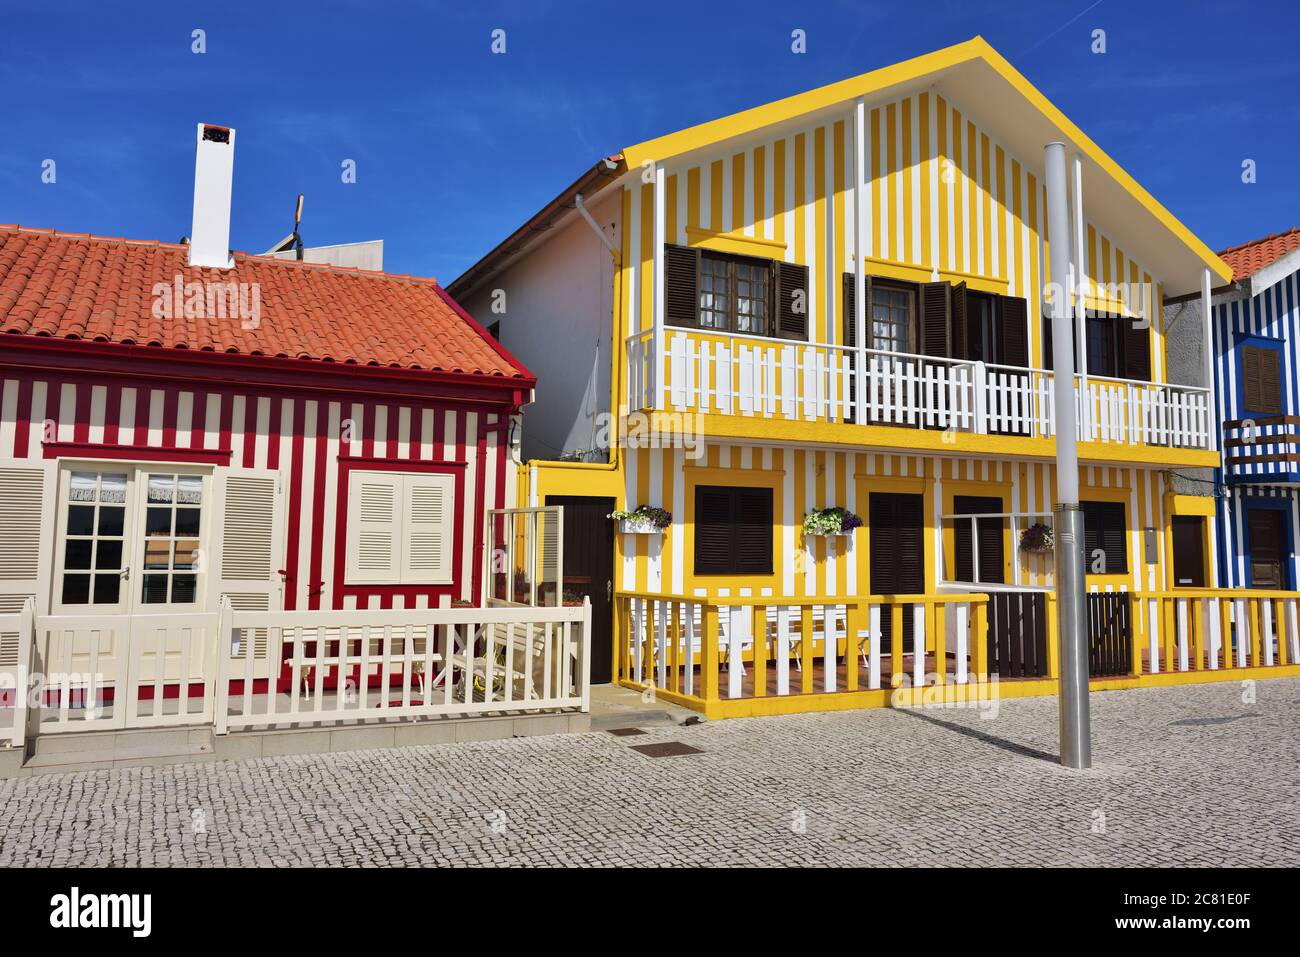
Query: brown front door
column 1189, row 551
column 589, row 570
column 897, row 535
column 1267, row 547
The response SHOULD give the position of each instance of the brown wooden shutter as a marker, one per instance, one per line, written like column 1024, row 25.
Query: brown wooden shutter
column 790, row 282
column 1251, row 387
column 897, row 550
column 1137, row 348
column 1270, row 381
column 713, row 521
column 989, row 532
column 681, row 286
column 849, row 301
column 911, row 545
column 753, row 531
column 960, row 323
column 1103, row 529
column 1013, row 330
column 936, row 319
column 883, row 532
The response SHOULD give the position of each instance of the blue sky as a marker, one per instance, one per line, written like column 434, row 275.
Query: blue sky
column 455, row 146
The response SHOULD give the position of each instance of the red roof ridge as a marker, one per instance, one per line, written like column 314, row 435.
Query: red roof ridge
column 1256, row 242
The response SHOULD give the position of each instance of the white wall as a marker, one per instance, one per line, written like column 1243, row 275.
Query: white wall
column 558, row 303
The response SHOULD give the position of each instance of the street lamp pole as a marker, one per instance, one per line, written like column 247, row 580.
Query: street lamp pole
column 1076, row 735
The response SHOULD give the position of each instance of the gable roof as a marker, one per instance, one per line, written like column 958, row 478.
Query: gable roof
column 101, row 289
column 1249, row 258
column 971, row 72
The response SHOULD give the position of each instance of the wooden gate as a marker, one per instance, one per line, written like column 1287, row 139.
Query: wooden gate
column 1110, row 634
column 1017, row 634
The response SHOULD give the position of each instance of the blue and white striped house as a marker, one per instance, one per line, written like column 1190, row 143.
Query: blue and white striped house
column 1256, row 331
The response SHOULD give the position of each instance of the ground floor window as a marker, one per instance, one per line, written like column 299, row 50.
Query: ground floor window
column 1104, row 538
column 733, row 530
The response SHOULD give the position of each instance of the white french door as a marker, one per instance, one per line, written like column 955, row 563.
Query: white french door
column 130, row 581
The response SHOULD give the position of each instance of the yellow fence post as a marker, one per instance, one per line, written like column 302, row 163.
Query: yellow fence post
column 675, row 636
column 1053, row 645
column 1279, row 631
column 709, row 655
column 806, row 649
column 760, row 651
column 1141, row 635
column 979, row 641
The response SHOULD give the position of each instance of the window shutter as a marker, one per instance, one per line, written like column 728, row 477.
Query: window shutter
column 251, row 536
column 713, row 522
column 849, row 299
column 681, row 286
column 936, row 319
column 790, row 282
column 27, row 498
column 1270, row 381
column 1137, row 348
column 427, row 503
column 1250, row 378
column 753, row 531
column 960, row 323
column 1104, row 530
column 374, row 548
column 911, row 545
column 883, row 532
column 1013, row 330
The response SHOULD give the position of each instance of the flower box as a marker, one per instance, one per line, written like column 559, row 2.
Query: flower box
column 643, row 520
column 1037, row 539
column 830, row 523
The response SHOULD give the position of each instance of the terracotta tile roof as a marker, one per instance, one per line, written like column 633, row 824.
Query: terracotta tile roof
column 1249, row 258
column 78, row 286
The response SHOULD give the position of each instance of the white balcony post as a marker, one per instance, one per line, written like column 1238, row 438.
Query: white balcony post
column 860, row 195
column 980, row 372
column 1208, row 351
column 656, row 367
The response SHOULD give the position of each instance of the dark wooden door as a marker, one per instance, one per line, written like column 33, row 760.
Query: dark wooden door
column 1267, row 547
column 1189, row 551
column 988, row 531
column 589, row 570
column 897, row 533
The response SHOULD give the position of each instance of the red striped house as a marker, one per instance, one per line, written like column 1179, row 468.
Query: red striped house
column 239, row 445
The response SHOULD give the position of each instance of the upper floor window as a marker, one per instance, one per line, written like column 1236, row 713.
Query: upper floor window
column 739, row 294
column 1261, row 379
column 892, row 310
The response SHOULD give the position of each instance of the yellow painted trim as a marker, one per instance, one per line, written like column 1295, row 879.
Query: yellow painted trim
column 783, row 432
column 993, row 284
column 734, row 477
column 844, row 92
column 733, row 242
column 1191, row 505
column 889, row 269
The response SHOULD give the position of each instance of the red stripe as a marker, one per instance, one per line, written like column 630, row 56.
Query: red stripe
column 112, row 414
column 480, row 483
column 23, row 419
column 273, row 433
column 143, row 399
column 81, row 421
column 171, row 403
column 249, row 426
column 368, row 430
column 417, row 431
column 315, row 586
column 198, row 419
column 295, row 508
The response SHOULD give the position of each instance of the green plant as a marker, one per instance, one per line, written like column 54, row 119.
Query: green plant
column 658, row 517
column 830, row 521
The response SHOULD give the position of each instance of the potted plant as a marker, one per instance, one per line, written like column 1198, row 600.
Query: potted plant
column 1037, row 538
column 830, row 521
column 642, row 520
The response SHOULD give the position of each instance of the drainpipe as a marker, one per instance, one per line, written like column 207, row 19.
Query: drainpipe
column 1075, row 731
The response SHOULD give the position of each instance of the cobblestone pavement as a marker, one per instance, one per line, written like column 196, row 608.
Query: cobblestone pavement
column 1198, row 775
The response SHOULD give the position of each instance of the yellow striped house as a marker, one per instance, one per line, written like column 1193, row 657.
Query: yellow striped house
column 834, row 301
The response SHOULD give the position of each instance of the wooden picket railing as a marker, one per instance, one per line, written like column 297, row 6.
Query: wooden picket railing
column 703, row 650
column 1202, row 630
column 350, row 666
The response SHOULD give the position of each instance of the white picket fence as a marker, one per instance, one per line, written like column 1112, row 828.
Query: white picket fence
column 752, row 376
column 257, row 669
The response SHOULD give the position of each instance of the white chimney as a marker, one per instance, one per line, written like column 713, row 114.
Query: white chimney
column 214, row 168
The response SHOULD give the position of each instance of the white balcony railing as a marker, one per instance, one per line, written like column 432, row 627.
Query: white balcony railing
column 717, row 373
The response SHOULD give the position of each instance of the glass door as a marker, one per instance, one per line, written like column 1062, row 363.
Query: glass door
column 94, row 526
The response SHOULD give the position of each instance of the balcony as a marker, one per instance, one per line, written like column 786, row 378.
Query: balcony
column 1264, row 450
column 729, row 374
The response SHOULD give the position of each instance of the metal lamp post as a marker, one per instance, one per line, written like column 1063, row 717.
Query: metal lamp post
column 1076, row 735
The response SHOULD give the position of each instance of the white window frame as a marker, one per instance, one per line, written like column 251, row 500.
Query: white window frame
column 399, row 527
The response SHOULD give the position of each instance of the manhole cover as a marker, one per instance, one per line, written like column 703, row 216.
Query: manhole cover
column 665, row 749
column 625, row 732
